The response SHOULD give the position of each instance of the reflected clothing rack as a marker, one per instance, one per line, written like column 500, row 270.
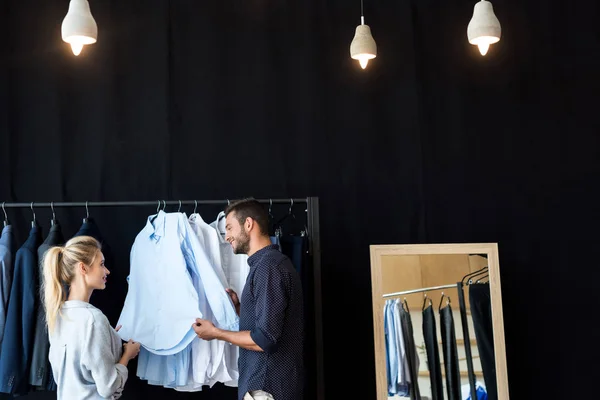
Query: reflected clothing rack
column 314, row 250
column 428, row 289
column 465, row 327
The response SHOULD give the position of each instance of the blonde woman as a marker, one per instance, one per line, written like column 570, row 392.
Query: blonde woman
column 86, row 355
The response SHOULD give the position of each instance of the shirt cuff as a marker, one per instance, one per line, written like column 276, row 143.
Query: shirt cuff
column 123, row 373
column 266, row 344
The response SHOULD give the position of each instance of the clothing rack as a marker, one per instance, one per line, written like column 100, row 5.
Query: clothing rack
column 465, row 327
column 158, row 203
column 314, row 248
column 419, row 290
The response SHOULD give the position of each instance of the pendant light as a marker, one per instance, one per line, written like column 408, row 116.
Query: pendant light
column 484, row 28
column 363, row 47
column 78, row 27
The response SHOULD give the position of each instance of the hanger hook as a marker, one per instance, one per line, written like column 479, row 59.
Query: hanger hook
column 33, row 211
column 87, row 210
column 270, row 205
column 179, row 209
column 228, row 202
column 441, row 301
column 4, row 209
column 291, row 205
column 164, row 205
column 158, row 206
column 195, row 205
column 52, row 207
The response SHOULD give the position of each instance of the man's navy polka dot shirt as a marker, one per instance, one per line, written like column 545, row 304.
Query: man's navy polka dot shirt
column 271, row 308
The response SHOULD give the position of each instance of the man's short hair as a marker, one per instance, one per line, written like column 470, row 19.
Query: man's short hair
column 250, row 208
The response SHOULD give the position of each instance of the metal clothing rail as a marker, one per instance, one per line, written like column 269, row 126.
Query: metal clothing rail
column 419, row 290
column 290, row 201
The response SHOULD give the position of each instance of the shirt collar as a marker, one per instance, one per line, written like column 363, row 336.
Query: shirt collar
column 155, row 225
column 6, row 232
column 55, row 228
column 253, row 259
column 219, row 226
column 196, row 218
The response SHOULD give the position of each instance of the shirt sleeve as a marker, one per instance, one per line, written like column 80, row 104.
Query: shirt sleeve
column 271, row 299
column 98, row 358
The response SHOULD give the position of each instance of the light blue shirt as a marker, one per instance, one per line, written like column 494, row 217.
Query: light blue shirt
column 162, row 302
column 175, row 369
column 395, row 354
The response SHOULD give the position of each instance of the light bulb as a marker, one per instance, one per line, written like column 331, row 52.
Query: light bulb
column 76, row 47
column 363, row 47
column 484, row 28
column 483, row 48
column 79, row 27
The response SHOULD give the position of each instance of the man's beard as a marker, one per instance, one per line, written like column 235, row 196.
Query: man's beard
column 242, row 244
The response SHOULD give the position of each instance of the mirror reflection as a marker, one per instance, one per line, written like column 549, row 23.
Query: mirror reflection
column 438, row 327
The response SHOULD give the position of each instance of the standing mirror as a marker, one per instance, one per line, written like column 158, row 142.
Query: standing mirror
column 439, row 331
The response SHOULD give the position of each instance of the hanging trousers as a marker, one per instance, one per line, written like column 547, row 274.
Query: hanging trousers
column 411, row 353
column 433, row 354
column 481, row 311
column 450, row 354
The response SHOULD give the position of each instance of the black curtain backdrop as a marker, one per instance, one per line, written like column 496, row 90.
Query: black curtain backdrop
column 431, row 143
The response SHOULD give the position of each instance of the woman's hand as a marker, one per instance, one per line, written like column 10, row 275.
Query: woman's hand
column 131, row 349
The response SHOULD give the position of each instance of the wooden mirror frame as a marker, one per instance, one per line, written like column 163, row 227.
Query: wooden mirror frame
column 491, row 250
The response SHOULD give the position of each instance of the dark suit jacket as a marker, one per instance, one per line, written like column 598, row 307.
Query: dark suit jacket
column 39, row 373
column 17, row 346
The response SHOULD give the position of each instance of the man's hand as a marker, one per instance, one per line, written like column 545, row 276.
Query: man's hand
column 205, row 329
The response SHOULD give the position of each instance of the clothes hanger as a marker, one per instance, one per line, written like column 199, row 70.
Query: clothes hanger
column 277, row 226
column 471, row 274
column 305, row 231
column 6, row 221
column 195, row 205
column 405, row 305
column 425, row 302
column 53, row 221
column 34, row 223
column 87, row 214
column 442, row 299
column 179, row 209
column 480, row 274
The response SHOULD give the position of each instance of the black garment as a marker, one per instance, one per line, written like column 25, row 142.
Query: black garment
column 40, row 366
column 105, row 300
column 411, row 353
column 433, row 354
column 450, row 354
column 271, row 308
column 17, row 345
column 481, row 311
column 296, row 248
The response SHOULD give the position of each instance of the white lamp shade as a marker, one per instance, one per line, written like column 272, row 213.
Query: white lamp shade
column 363, row 47
column 79, row 27
column 484, row 28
